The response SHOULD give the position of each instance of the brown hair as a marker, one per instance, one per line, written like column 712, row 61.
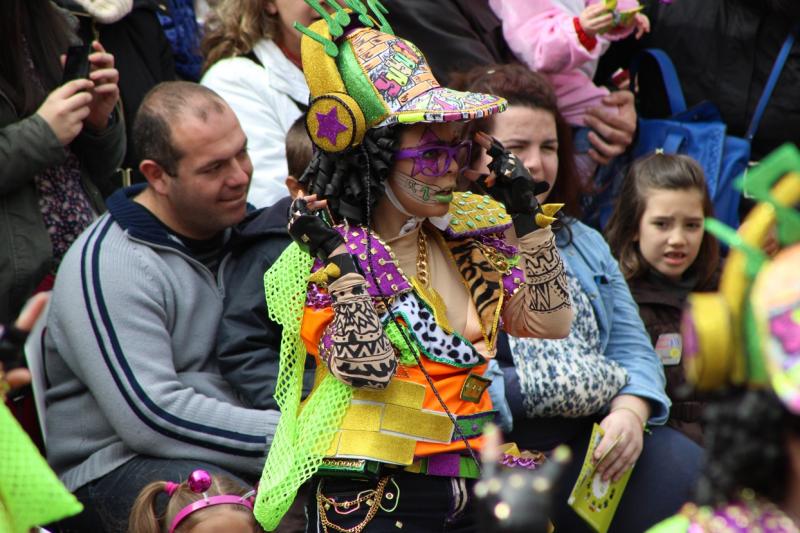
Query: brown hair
column 658, row 171
column 233, row 27
column 168, row 103
column 144, row 517
column 298, row 147
column 523, row 87
column 35, row 32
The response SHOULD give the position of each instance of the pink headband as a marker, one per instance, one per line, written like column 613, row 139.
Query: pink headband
column 199, row 482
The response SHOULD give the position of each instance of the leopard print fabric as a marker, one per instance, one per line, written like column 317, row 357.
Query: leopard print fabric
column 354, row 345
column 435, row 343
column 568, row 377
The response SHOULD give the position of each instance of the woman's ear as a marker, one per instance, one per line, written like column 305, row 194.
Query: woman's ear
column 271, row 8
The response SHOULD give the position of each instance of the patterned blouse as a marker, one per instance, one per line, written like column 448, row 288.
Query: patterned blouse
column 66, row 210
column 568, row 377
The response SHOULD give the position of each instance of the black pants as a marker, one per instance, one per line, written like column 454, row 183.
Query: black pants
column 410, row 502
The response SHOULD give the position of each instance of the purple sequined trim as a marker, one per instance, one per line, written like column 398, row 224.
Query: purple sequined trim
column 513, row 280
column 513, row 461
column 390, row 280
column 316, row 298
column 499, row 244
column 452, row 234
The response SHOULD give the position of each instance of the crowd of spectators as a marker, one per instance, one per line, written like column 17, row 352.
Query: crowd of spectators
column 152, row 193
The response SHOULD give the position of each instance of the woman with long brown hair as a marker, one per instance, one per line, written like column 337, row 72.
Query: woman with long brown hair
column 605, row 371
column 59, row 143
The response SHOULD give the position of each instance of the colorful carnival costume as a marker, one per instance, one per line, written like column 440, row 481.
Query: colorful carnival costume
column 747, row 337
column 401, row 328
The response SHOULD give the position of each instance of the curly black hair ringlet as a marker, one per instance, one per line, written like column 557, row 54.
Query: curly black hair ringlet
column 343, row 178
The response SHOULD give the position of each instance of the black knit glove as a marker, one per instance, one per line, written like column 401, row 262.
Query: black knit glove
column 12, row 340
column 310, row 232
column 516, row 189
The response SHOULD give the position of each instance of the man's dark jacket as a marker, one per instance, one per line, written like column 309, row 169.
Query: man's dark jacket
column 248, row 342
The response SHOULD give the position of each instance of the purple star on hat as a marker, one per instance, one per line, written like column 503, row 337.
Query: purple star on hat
column 329, row 125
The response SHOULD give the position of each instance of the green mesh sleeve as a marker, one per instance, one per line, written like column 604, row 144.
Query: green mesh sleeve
column 398, row 340
column 302, row 436
column 30, row 493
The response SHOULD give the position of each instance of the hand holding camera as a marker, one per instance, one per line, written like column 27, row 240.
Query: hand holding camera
column 87, row 96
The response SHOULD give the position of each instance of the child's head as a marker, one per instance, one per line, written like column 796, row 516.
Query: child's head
column 298, row 153
column 658, row 220
column 199, row 505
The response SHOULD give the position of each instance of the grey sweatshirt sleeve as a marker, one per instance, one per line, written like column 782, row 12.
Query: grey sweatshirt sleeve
column 130, row 338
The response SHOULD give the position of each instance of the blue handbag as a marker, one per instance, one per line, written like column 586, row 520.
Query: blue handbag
column 699, row 132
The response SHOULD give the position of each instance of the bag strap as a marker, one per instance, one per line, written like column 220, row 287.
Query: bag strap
column 677, row 103
column 251, row 55
column 771, row 82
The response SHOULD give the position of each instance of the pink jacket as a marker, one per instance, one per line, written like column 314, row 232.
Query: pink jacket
column 542, row 35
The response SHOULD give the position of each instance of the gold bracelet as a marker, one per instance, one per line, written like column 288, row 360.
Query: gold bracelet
column 632, row 410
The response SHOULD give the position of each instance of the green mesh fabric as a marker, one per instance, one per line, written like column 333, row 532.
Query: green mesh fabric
column 394, row 335
column 302, row 437
column 30, row 493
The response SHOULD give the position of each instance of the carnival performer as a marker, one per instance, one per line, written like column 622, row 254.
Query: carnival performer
column 743, row 343
column 398, row 285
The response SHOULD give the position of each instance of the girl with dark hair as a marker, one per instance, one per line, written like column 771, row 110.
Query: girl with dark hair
column 656, row 233
column 742, row 344
column 59, row 143
column 605, row 370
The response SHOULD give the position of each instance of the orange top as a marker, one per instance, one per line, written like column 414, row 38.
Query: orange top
column 449, row 381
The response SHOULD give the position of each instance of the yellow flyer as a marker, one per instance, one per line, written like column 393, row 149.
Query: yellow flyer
column 592, row 498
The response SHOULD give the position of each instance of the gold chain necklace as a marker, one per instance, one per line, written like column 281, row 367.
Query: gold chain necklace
column 372, row 498
column 421, row 285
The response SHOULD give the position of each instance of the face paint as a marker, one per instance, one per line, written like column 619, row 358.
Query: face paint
column 425, row 193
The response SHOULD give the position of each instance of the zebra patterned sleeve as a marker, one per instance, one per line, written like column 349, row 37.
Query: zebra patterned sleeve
column 354, row 345
column 541, row 307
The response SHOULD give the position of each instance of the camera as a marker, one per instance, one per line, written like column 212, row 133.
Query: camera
column 77, row 64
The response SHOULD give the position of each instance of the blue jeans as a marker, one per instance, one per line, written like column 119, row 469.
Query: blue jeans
column 107, row 501
column 662, row 480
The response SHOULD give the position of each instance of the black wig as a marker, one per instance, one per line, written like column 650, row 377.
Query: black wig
column 745, row 436
column 352, row 182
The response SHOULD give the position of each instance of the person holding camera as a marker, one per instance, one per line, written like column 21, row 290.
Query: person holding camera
column 60, row 141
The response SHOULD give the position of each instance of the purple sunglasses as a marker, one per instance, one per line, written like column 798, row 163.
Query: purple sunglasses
column 434, row 160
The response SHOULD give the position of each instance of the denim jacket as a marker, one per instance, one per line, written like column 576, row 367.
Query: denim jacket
column 622, row 333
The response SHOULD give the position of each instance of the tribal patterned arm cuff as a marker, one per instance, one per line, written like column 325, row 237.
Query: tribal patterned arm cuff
column 542, row 307
column 354, row 345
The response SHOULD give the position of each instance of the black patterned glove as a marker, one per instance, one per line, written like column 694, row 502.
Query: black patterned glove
column 12, row 340
column 515, row 188
column 310, row 232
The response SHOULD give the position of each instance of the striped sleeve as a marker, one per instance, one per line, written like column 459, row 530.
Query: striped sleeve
column 118, row 337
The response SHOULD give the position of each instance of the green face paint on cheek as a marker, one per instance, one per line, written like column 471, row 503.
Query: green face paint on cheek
column 425, row 193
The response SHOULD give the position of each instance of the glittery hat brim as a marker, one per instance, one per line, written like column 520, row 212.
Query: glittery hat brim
column 441, row 104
